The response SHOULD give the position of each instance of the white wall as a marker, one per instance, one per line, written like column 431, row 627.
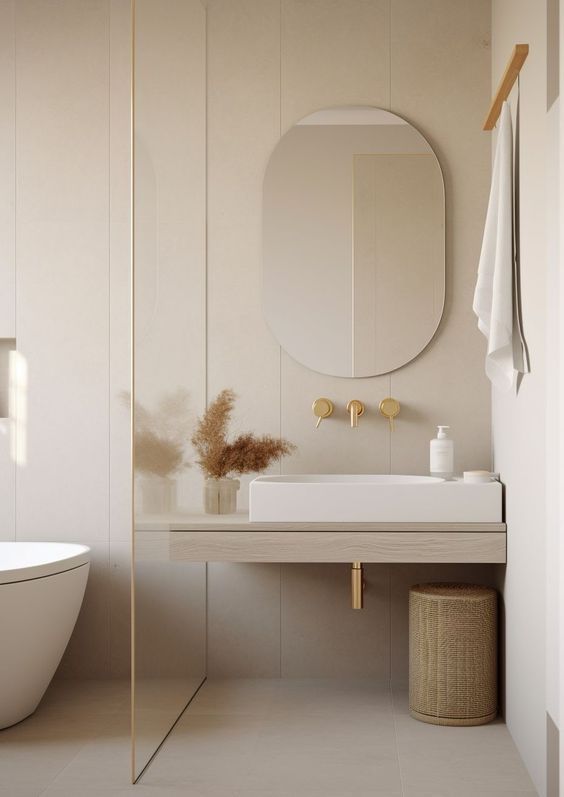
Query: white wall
column 525, row 427
column 64, row 218
column 267, row 64
column 560, row 432
column 170, row 209
column 295, row 620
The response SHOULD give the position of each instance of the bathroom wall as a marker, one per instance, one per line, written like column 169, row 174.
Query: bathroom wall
column 64, row 266
column 526, row 425
column 268, row 64
column 65, row 218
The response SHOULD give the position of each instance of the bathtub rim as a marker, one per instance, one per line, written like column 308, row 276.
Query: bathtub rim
column 28, row 560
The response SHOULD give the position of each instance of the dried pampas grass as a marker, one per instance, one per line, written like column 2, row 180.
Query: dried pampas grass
column 247, row 453
column 156, row 456
column 160, row 435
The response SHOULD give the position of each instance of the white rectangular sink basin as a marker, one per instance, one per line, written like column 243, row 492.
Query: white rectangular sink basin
column 372, row 499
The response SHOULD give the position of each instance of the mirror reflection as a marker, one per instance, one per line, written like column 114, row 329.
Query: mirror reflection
column 353, row 242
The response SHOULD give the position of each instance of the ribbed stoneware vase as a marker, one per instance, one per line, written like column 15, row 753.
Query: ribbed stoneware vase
column 158, row 495
column 453, row 654
column 220, row 496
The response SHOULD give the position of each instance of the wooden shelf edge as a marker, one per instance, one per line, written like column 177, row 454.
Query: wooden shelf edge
column 514, row 66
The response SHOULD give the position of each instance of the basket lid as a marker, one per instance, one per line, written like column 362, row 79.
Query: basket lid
column 450, row 591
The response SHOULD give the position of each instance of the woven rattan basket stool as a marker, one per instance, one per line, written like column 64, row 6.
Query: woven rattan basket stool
column 453, row 654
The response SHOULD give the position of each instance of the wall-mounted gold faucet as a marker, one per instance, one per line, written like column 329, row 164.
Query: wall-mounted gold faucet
column 355, row 408
column 323, row 408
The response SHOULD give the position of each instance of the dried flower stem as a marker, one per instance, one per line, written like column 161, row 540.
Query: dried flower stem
column 247, row 453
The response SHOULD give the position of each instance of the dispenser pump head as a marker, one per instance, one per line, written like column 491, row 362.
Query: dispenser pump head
column 442, row 433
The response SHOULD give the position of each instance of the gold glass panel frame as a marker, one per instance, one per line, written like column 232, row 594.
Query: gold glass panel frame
column 168, row 599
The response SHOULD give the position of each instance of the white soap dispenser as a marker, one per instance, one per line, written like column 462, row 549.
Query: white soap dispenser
column 442, row 454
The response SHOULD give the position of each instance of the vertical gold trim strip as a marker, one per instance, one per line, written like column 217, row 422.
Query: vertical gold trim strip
column 132, row 376
column 353, row 267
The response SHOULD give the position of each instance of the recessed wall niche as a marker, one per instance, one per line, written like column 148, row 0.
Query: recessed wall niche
column 6, row 346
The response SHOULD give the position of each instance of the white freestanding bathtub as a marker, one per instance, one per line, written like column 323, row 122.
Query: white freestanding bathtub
column 41, row 590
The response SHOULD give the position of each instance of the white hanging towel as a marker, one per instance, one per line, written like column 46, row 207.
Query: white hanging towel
column 495, row 297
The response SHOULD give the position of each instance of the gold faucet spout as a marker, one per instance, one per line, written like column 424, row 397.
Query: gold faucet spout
column 355, row 408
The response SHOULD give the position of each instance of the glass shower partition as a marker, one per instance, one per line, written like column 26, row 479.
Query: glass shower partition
column 169, row 246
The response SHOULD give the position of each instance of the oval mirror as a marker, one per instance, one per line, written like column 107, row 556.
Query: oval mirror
column 353, row 242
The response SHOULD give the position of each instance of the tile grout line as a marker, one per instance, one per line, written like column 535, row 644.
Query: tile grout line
column 390, row 657
column 390, row 433
column 280, row 366
column 132, row 335
column 205, row 286
column 13, row 425
column 109, row 397
column 398, row 756
column 280, row 623
column 280, row 358
column 390, row 55
column 205, row 353
column 64, row 768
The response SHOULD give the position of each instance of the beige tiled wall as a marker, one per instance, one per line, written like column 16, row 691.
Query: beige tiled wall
column 243, row 74
column 270, row 62
column 170, row 208
column 64, row 230
column 267, row 63
column 295, row 621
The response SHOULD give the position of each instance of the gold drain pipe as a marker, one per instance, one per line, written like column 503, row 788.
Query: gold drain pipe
column 357, row 585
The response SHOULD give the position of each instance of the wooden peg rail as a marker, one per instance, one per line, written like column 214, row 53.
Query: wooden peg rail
column 518, row 58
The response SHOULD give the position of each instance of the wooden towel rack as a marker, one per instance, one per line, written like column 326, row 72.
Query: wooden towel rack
column 518, row 58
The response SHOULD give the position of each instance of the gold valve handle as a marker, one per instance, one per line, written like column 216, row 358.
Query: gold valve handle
column 390, row 408
column 322, row 408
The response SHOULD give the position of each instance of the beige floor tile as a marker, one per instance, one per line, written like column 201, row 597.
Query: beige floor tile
column 282, row 791
column 104, row 763
column 333, row 697
column 458, row 761
column 32, row 763
column 338, row 757
column 72, row 716
column 239, row 696
column 21, row 791
column 158, row 704
column 307, row 737
column 78, row 697
column 138, row 790
column 207, row 752
column 458, row 791
column 461, row 772
column 276, row 738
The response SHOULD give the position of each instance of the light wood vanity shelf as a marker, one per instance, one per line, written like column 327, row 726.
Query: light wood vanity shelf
column 232, row 538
